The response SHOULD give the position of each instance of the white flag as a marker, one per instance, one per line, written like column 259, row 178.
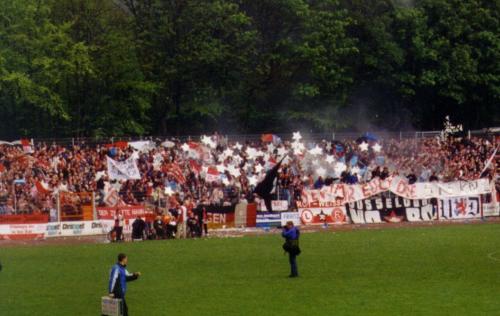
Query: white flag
column 123, row 170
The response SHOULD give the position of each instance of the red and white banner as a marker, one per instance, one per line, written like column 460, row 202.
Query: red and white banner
column 22, row 231
column 212, row 175
column 340, row 193
column 128, row 212
column 329, row 215
column 174, row 170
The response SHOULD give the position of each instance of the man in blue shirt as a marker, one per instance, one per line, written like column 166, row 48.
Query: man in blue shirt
column 291, row 235
column 118, row 279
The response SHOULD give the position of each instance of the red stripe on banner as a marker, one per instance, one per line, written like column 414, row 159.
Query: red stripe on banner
column 24, row 219
column 251, row 214
column 21, row 236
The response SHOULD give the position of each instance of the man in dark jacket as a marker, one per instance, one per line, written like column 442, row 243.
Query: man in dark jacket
column 138, row 227
column 118, row 279
column 291, row 235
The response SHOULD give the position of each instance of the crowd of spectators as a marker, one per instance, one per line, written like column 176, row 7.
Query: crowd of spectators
column 217, row 171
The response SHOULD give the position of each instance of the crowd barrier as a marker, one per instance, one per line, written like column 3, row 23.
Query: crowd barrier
column 380, row 209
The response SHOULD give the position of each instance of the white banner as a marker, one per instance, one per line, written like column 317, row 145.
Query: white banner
column 142, row 146
column 22, row 231
column 79, row 228
column 53, row 230
column 84, row 228
column 123, row 170
column 460, row 208
column 329, row 215
column 491, row 209
column 277, row 205
column 212, row 177
column 340, row 193
column 290, row 216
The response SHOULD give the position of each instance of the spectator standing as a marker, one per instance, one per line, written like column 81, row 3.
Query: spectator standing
column 119, row 225
column 138, row 227
column 158, row 227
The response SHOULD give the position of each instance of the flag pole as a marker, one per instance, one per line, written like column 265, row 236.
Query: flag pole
column 488, row 162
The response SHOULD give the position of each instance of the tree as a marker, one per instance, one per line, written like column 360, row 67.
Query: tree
column 193, row 51
column 298, row 76
column 33, row 61
column 451, row 61
column 113, row 98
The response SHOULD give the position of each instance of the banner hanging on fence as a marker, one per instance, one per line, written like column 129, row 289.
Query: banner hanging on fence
column 75, row 228
column 127, row 212
column 276, row 205
column 460, row 208
column 268, row 219
column 123, row 170
column 340, row 194
column 393, row 209
column 217, row 216
column 323, row 215
column 22, row 231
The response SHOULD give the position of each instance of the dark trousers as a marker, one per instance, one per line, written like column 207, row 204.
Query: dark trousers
column 293, row 264
column 172, row 229
column 160, row 234
column 124, row 307
column 119, row 233
column 120, row 295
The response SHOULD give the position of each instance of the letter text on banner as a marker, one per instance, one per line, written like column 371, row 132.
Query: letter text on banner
column 340, row 194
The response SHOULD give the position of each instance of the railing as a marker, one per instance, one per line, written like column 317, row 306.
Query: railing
column 242, row 138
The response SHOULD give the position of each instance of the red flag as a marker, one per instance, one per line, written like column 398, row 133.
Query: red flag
column 267, row 138
column 175, row 171
column 120, row 144
column 195, row 167
column 270, row 138
column 43, row 164
column 271, row 162
column 41, row 188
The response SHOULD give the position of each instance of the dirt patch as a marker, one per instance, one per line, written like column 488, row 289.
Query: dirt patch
column 240, row 232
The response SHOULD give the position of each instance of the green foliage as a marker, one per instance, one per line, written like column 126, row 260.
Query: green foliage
column 115, row 67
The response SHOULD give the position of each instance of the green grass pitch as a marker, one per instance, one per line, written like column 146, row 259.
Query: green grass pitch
column 451, row 270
